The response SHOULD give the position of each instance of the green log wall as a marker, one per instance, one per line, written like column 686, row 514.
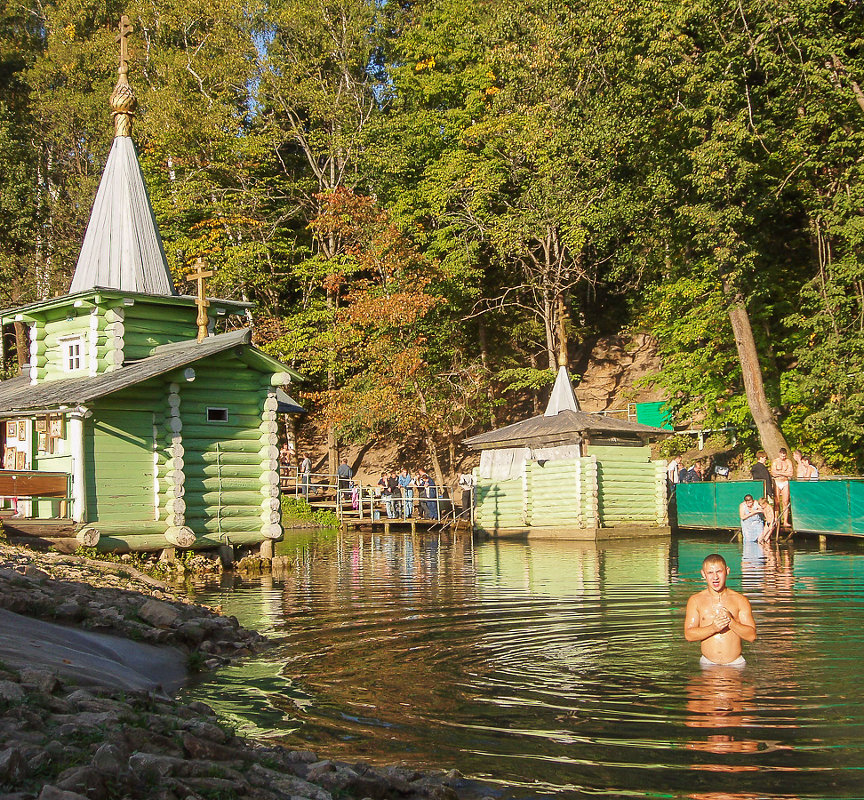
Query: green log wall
column 499, row 505
column 553, row 493
column 230, row 488
column 631, row 488
column 612, row 487
column 148, row 324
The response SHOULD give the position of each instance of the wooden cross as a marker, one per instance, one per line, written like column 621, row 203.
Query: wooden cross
column 125, row 28
column 199, row 275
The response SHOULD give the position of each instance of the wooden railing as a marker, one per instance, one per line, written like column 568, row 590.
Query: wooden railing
column 351, row 499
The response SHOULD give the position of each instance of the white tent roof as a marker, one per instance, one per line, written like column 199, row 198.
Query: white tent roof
column 563, row 398
column 122, row 247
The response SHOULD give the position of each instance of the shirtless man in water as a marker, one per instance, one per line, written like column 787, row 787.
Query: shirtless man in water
column 719, row 617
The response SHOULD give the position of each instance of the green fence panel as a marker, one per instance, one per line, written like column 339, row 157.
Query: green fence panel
column 695, row 505
column 712, row 504
column 654, row 414
column 856, row 507
column 821, row 506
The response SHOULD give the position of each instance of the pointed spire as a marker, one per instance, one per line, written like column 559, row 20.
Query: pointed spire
column 122, row 247
column 563, row 398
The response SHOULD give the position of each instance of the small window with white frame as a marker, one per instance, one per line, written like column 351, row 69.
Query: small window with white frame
column 73, row 353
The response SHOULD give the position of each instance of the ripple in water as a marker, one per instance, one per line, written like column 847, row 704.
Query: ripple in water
column 558, row 668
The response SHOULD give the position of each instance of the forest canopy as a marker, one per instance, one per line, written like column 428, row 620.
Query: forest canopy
column 434, row 202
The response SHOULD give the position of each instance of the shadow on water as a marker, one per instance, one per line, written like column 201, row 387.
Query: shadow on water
column 556, row 668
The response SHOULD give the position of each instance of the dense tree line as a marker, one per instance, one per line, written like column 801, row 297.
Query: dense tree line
column 432, row 202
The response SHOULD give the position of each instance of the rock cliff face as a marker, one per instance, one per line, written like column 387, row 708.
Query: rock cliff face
column 611, row 369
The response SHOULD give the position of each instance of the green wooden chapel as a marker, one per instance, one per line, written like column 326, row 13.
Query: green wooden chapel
column 570, row 474
column 155, row 405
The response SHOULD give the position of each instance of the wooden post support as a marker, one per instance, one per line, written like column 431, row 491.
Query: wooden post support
column 168, row 555
column 226, row 555
column 266, row 549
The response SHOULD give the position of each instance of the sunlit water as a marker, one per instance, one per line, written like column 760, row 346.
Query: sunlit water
column 557, row 668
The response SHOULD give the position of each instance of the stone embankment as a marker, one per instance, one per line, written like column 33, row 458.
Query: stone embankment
column 60, row 740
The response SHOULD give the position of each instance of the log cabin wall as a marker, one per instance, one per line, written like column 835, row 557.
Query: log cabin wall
column 149, row 324
column 631, row 487
column 230, row 454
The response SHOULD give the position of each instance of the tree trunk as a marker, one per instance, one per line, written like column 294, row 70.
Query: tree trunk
column 769, row 431
column 535, row 395
column 332, row 444
column 549, row 326
column 429, row 436
column 484, row 359
column 22, row 344
column 563, row 358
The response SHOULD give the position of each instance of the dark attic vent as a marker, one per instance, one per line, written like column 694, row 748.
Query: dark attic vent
column 217, row 415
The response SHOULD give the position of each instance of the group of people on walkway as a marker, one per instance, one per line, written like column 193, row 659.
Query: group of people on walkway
column 762, row 518
column 397, row 492
column 676, row 472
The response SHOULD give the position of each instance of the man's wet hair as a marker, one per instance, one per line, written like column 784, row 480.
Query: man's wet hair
column 748, row 497
column 714, row 558
column 761, row 454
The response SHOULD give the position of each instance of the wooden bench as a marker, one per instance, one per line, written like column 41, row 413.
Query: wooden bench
column 33, row 485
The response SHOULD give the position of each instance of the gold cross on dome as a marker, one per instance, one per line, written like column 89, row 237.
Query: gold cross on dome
column 199, row 275
column 125, row 27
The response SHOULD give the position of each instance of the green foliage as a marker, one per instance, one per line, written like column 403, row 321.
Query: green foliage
column 548, row 168
column 675, row 445
column 298, row 509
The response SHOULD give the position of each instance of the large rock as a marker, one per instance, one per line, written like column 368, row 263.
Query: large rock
column 42, row 679
column 152, row 767
column 53, row 793
column 13, row 767
column 84, row 780
column 109, row 759
column 270, row 779
column 11, row 693
column 158, row 614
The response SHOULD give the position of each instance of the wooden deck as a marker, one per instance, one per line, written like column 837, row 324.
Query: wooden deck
column 40, row 534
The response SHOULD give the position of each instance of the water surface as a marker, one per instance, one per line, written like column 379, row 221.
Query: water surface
column 557, row 668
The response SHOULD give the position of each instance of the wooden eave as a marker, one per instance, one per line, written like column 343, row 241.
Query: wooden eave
column 17, row 394
column 99, row 296
column 566, row 427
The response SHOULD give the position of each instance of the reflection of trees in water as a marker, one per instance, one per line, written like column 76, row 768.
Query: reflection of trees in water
column 768, row 577
column 372, row 644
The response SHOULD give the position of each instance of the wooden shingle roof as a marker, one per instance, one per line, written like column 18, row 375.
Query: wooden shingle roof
column 565, row 426
column 122, row 247
column 17, row 394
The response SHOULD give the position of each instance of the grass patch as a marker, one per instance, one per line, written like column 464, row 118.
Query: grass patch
column 296, row 508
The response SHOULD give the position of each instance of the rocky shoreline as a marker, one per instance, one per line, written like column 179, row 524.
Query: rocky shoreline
column 62, row 741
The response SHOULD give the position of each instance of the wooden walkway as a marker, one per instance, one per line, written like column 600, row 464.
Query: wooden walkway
column 413, row 525
column 370, row 513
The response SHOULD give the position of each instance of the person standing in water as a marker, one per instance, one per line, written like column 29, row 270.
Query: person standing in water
column 752, row 519
column 719, row 617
